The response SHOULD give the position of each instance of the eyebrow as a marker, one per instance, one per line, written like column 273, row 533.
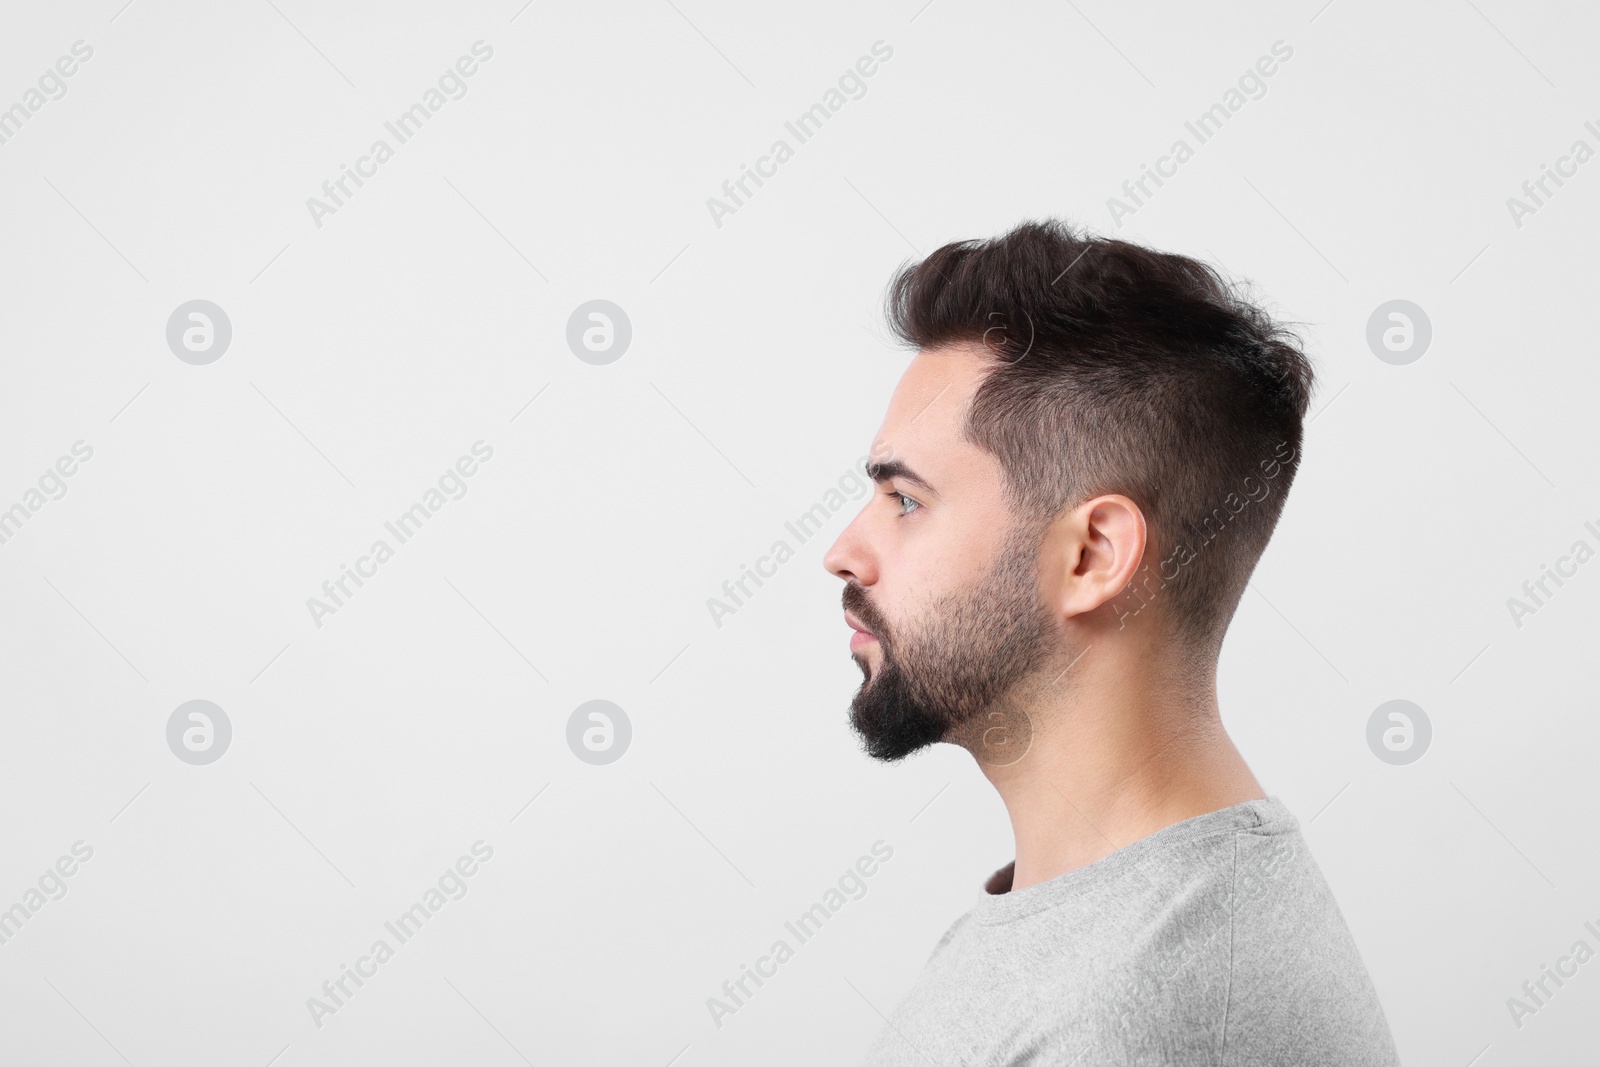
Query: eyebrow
column 893, row 468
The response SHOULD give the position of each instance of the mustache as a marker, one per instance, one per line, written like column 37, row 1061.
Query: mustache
column 857, row 603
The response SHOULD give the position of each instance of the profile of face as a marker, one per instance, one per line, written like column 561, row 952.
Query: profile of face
column 941, row 580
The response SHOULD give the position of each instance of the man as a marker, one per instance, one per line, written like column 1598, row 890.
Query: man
column 1077, row 475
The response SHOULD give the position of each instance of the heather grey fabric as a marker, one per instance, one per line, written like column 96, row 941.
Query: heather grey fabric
column 1213, row 941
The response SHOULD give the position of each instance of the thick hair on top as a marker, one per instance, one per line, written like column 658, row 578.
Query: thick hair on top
column 1120, row 369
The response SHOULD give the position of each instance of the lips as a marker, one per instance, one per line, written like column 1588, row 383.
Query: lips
column 850, row 621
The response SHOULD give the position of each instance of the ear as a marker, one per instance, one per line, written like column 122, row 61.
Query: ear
column 1094, row 552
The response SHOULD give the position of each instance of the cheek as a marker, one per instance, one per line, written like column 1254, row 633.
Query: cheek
column 959, row 556
column 925, row 563
column 909, row 600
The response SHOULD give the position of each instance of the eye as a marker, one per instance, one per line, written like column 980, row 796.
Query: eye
column 903, row 501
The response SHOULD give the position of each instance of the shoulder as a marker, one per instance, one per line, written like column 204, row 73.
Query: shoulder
column 962, row 922
column 1298, row 989
column 1237, row 953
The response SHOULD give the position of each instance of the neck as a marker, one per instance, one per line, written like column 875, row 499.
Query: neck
column 1117, row 751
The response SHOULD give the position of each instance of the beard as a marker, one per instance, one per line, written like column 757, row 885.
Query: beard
column 940, row 679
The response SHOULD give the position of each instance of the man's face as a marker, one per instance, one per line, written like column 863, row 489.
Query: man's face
column 942, row 582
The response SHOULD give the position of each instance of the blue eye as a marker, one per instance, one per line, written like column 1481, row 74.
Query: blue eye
column 904, row 500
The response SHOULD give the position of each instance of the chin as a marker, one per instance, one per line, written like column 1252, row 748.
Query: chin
column 867, row 671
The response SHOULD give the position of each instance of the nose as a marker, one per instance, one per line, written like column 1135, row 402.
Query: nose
column 850, row 558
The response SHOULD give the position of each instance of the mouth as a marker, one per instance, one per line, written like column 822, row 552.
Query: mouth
column 861, row 636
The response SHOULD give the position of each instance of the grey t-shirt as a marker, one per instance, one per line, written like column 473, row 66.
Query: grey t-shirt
column 1213, row 941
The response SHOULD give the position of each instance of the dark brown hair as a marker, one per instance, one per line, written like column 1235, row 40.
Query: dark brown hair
column 1118, row 368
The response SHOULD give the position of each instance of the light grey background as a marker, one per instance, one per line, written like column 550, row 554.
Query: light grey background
column 367, row 354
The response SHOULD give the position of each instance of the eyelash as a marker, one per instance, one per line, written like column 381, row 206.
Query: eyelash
column 892, row 494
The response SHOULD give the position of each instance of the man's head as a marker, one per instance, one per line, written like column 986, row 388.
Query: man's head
column 1091, row 434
